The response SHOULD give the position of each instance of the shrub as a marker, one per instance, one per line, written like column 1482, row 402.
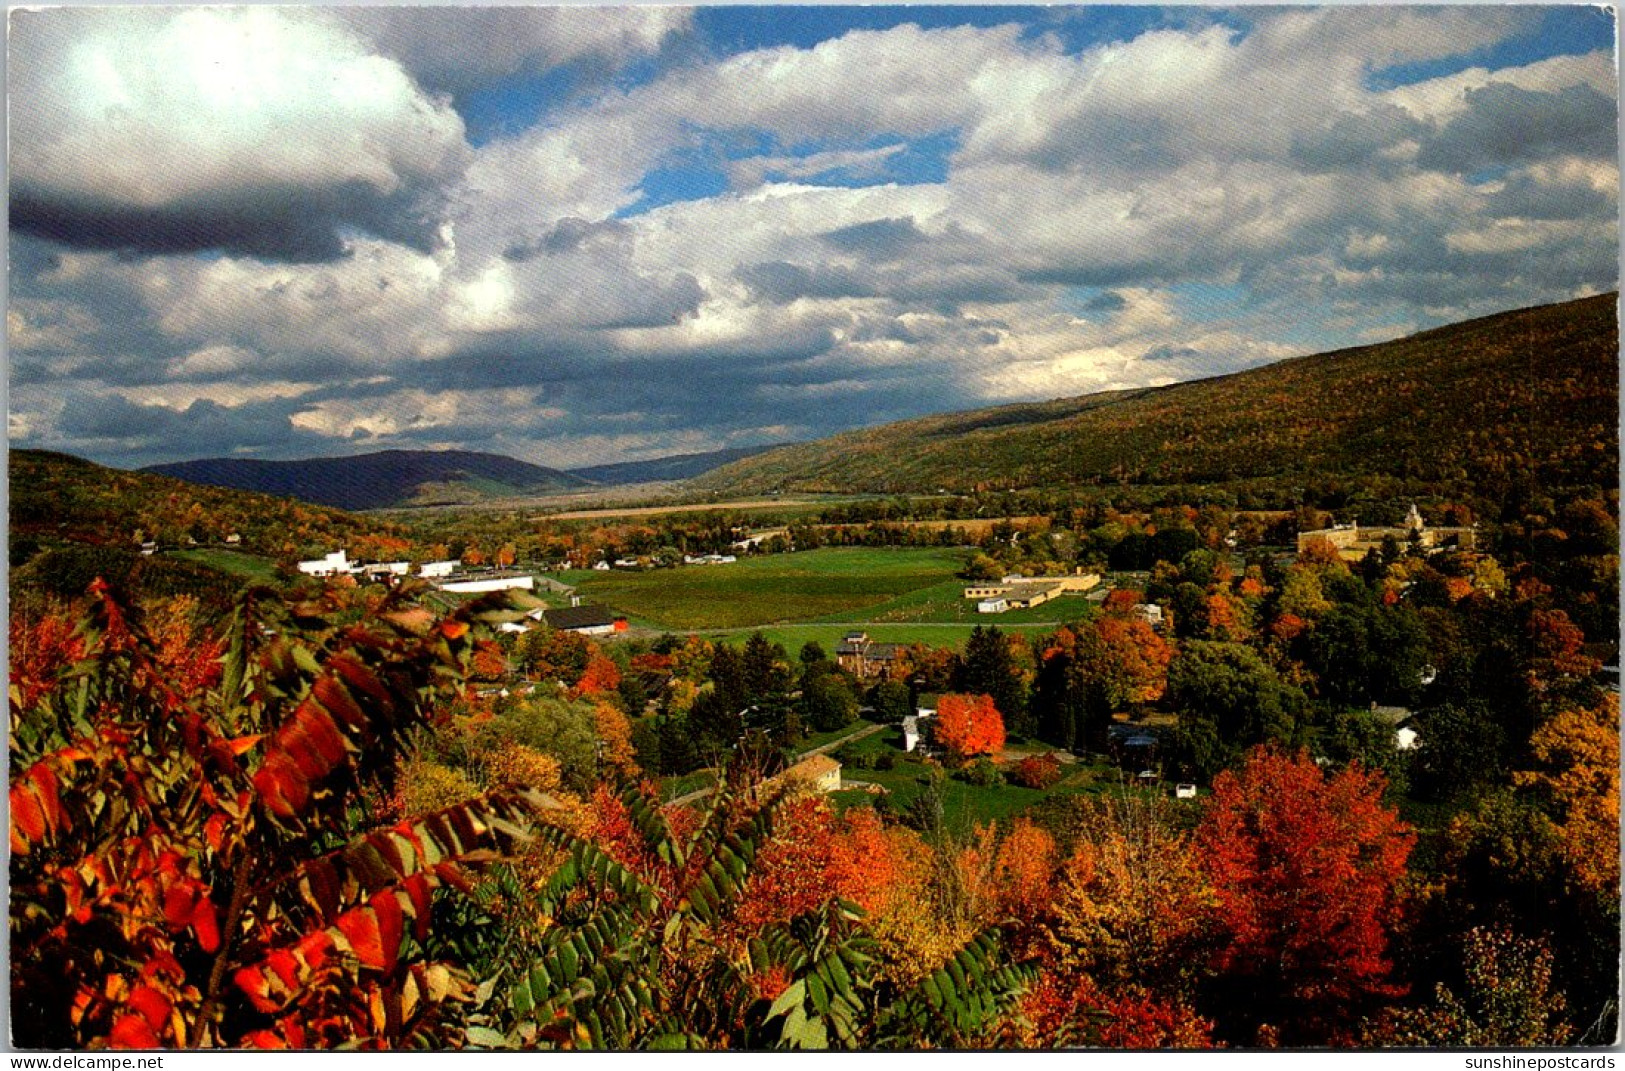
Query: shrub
column 1037, row 771
column 982, row 773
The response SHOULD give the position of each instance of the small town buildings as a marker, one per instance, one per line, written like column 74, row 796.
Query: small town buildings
column 334, row 564
column 1020, row 592
column 862, row 657
column 1354, row 541
column 587, row 620
column 377, row 569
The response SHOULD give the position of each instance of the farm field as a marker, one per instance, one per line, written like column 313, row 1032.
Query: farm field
column 249, row 567
column 946, row 604
column 842, row 583
column 828, row 635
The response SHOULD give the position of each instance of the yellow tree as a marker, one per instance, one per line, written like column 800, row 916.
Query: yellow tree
column 1577, row 774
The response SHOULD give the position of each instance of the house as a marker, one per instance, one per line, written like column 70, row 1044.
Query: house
column 1406, row 738
column 148, row 549
column 234, row 540
column 433, row 569
column 1150, row 613
column 587, row 620
column 818, row 773
column 996, row 605
column 916, row 728
column 334, row 564
column 601, row 567
column 862, row 657
column 1354, row 541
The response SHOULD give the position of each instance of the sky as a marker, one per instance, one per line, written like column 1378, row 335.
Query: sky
column 578, row 236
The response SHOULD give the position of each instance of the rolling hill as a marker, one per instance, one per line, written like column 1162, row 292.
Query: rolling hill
column 660, row 469
column 1514, row 398
column 382, row 480
column 72, row 520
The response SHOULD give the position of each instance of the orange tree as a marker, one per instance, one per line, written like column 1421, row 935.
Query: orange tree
column 969, row 725
column 191, row 864
column 1304, row 871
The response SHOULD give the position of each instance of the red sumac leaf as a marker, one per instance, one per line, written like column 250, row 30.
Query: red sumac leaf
column 27, row 820
column 336, row 698
column 391, row 926
column 206, row 924
column 44, row 781
column 133, row 1032
column 360, row 927
column 180, row 900
column 152, row 1005
column 420, row 892
column 253, row 983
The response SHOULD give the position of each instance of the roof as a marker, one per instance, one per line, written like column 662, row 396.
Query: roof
column 572, row 617
column 812, row 768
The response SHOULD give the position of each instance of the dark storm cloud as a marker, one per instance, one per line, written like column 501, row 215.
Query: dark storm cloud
column 780, row 282
column 1504, row 124
column 201, row 429
column 280, row 223
column 1355, row 141
column 880, row 239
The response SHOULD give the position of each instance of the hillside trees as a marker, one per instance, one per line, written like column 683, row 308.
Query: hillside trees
column 1305, row 872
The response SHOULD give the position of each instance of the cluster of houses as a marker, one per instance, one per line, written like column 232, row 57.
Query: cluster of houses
column 1354, row 541
column 445, row 575
column 1020, row 592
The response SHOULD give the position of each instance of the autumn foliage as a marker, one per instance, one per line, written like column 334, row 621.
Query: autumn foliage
column 1305, row 871
column 968, row 725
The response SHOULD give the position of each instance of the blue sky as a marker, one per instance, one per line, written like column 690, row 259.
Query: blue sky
column 579, row 236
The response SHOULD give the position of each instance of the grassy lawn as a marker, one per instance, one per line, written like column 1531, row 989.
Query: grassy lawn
column 250, row 567
column 945, row 603
column 673, row 787
column 813, row 740
column 832, row 584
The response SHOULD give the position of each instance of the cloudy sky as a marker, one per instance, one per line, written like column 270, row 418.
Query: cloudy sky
column 580, row 236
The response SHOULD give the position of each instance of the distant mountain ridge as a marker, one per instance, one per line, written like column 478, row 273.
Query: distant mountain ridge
column 673, row 467
column 1527, row 397
column 382, row 480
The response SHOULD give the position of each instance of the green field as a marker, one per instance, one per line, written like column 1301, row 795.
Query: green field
column 833, row 584
column 945, row 604
column 249, row 567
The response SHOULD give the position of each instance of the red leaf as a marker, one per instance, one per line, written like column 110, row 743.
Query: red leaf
column 206, row 925
column 152, row 1005
column 333, row 695
column 252, row 981
column 45, row 788
column 360, row 927
column 286, row 966
column 180, row 900
column 133, row 1032
column 419, row 891
column 391, row 925
column 27, row 820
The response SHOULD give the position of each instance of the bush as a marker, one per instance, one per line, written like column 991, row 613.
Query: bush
column 982, row 773
column 1037, row 771
column 886, row 761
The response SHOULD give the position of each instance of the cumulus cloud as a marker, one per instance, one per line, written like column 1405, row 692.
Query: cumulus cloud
column 757, row 245
column 260, row 130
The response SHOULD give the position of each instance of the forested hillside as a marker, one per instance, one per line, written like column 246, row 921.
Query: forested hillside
column 388, row 478
column 1517, row 400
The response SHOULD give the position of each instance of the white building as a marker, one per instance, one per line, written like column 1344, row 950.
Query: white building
column 438, row 568
column 334, row 564
column 490, row 583
column 993, row 606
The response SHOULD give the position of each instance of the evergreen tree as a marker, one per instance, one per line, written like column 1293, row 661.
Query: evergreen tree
column 988, row 668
